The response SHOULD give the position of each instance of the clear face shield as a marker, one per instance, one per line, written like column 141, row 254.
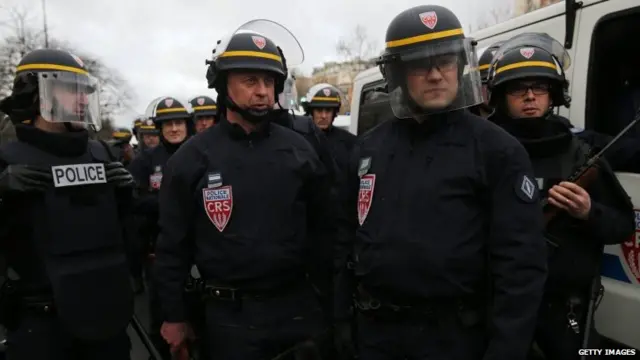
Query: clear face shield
column 313, row 92
column 540, row 40
column 150, row 112
column 70, row 97
column 272, row 30
column 288, row 99
column 433, row 79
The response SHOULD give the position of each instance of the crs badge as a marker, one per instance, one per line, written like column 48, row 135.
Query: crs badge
column 155, row 179
column 365, row 196
column 218, row 204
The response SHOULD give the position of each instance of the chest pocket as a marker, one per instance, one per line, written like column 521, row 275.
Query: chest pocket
column 262, row 188
column 80, row 219
column 441, row 183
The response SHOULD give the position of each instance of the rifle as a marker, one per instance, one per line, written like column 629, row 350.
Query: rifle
column 586, row 173
column 144, row 337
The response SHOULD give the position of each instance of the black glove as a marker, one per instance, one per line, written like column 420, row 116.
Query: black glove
column 343, row 341
column 25, row 178
column 118, row 175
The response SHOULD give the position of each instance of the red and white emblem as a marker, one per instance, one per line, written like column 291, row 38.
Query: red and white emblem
column 218, row 204
column 168, row 102
column 78, row 60
column 155, row 180
column 631, row 250
column 200, row 101
column 429, row 19
column 527, row 52
column 327, row 92
column 259, row 41
column 365, row 196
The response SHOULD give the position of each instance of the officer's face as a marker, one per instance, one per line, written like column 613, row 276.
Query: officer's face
column 150, row 141
column 485, row 94
column 323, row 117
column 253, row 90
column 175, row 131
column 204, row 122
column 435, row 85
column 527, row 98
column 73, row 102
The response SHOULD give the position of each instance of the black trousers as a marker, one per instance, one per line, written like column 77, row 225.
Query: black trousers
column 42, row 337
column 555, row 338
column 259, row 329
column 443, row 337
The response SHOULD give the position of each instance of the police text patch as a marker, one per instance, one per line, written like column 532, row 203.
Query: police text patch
column 78, row 174
column 526, row 189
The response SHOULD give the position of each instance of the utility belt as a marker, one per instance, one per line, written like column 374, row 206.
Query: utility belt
column 469, row 311
column 14, row 304
column 214, row 291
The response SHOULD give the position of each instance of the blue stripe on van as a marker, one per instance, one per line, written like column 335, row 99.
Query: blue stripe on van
column 612, row 268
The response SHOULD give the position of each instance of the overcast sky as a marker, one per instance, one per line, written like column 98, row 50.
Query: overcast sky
column 159, row 46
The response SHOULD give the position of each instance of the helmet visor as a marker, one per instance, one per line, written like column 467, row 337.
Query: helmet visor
column 70, row 97
column 288, row 98
column 433, row 79
column 540, row 40
column 274, row 31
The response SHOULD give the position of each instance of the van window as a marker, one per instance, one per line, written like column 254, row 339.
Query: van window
column 374, row 106
column 613, row 92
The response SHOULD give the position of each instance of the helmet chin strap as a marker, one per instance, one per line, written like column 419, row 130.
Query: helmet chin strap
column 252, row 116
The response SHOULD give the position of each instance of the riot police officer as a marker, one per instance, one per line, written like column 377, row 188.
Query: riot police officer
column 449, row 261
column 63, row 197
column 527, row 81
column 204, row 112
column 148, row 134
column 483, row 109
column 262, row 218
column 323, row 104
column 121, row 145
column 174, row 124
column 134, row 129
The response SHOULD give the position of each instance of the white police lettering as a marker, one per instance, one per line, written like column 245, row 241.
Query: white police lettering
column 527, row 187
column 78, row 174
column 218, row 204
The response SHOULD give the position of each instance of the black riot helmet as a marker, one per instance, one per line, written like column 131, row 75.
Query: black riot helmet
column 258, row 45
column 168, row 108
column 120, row 136
column 485, row 60
column 136, row 125
column 528, row 62
column 429, row 39
column 203, row 106
column 147, row 127
column 43, row 77
column 322, row 96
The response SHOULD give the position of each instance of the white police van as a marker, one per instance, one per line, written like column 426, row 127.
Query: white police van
column 604, row 76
